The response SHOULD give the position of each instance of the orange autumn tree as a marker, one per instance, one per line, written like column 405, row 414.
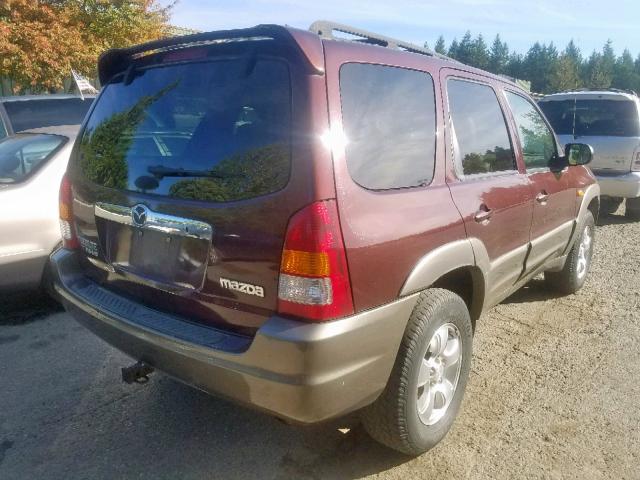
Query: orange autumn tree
column 42, row 40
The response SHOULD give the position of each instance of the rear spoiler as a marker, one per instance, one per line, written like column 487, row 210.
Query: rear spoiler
column 308, row 45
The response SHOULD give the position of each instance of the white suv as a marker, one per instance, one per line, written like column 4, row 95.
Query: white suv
column 609, row 121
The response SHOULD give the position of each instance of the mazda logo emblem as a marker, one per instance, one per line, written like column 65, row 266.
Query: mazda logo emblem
column 139, row 215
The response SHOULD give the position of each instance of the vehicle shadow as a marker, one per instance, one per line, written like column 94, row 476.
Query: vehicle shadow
column 166, row 429
column 534, row 291
column 17, row 308
column 613, row 219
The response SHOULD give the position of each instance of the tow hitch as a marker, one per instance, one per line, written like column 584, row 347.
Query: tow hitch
column 137, row 373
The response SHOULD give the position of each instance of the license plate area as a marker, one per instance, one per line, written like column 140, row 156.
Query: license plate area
column 167, row 252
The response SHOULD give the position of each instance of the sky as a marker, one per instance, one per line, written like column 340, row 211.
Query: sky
column 519, row 22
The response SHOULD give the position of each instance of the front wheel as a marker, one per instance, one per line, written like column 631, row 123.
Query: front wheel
column 427, row 383
column 572, row 277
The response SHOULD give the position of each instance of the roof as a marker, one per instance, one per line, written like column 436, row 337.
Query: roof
column 590, row 95
column 52, row 96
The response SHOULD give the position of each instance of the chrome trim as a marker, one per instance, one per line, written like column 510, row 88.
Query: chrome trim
column 160, row 222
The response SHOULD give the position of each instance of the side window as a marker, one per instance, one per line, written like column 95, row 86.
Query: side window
column 538, row 143
column 481, row 139
column 389, row 121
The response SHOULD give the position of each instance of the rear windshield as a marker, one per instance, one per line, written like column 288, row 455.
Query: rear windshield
column 22, row 155
column 212, row 130
column 28, row 114
column 610, row 118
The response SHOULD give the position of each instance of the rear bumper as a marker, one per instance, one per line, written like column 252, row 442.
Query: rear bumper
column 301, row 372
column 625, row 185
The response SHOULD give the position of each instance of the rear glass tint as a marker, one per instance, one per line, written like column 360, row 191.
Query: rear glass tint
column 388, row 117
column 213, row 130
column 607, row 118
column 23, row 154
column 28, row 114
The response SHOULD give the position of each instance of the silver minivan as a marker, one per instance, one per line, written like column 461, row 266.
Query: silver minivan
column 609, row 121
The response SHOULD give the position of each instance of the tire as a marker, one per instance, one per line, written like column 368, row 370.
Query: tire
column 572, row 277
column 609, row 205
column 632, row 209
column 393, row 419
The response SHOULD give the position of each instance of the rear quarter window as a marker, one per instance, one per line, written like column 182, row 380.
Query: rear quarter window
column 389, row 122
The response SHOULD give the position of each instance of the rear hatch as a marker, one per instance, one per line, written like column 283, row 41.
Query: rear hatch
column 609, row 124
column 181, row 180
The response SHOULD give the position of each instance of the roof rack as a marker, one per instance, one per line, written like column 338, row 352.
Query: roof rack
column 326, row 28
column 610, row 89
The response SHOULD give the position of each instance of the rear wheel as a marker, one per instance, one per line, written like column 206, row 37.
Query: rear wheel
column 632, row 209
column 427, row 383
column 609, row 205
column 572, row 277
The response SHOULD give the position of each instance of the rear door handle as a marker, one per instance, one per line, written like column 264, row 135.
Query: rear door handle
column 542, row 197
column 483, row 215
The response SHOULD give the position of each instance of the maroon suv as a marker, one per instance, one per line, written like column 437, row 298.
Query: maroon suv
column 312, row 226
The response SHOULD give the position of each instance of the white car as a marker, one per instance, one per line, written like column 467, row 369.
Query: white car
column 609, row 121
column 32, row 164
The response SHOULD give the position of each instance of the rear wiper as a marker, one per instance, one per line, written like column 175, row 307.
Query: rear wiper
column 161, row 172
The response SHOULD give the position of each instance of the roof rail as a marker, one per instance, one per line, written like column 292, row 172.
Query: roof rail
column 610, row 89
column 325, row 29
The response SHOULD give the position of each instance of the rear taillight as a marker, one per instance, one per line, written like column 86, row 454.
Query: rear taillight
column 68, row 231
column 314, row 278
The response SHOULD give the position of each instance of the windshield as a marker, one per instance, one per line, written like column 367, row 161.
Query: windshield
column 211, row 130
column 615, row 118
column 29, row 114
column 21, row 155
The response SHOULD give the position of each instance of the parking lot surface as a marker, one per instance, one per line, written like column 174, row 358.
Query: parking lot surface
column 554, row 393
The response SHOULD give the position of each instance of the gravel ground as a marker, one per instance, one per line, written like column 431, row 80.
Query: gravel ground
column 553, row 394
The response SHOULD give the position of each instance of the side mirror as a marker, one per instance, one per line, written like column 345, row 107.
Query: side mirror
column 578, row 153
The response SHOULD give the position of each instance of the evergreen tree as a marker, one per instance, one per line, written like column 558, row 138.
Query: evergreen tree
column 566, row 75
column 573, row 53
column 465, row 49
column 624, row 74
column 515, row 66
column 440, row 46
column 597, row 74
column 498, row 56
column 479, row 53
column 453, row 49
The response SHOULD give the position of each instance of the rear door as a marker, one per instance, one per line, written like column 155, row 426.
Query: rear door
column 491, row 191
column 184, row 179
column 555, row 201
column 393, row 201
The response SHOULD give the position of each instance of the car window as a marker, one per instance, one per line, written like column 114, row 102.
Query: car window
column 481, row 140
column 212, row 131
column 29, row 114
column 537, row 141
column 3, row 129
column 389, row 122
column 21, row 155
column 593, row 117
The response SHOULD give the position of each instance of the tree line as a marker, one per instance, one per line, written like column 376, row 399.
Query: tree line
column 42, row 40
column 548, row 69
